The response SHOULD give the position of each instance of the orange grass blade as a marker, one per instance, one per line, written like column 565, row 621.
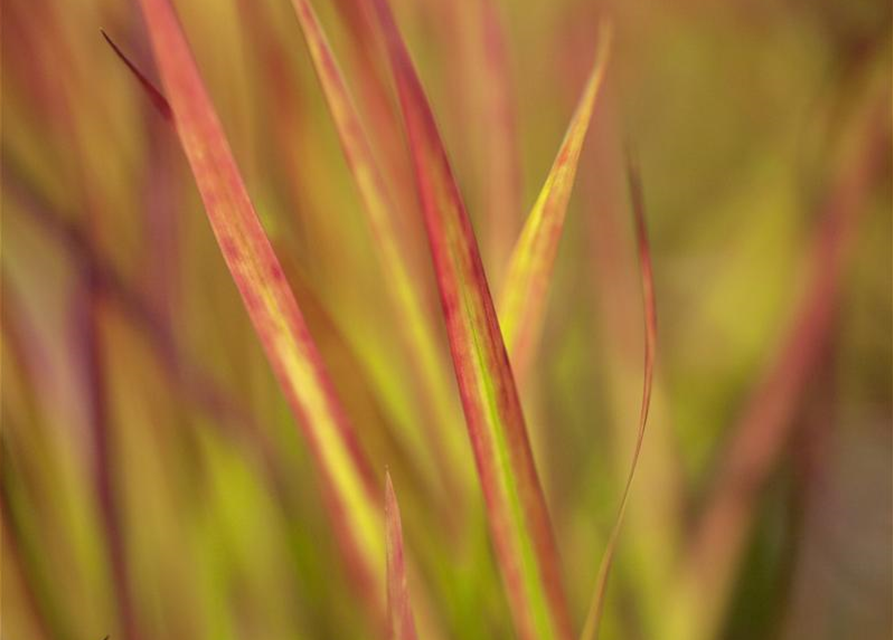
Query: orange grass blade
column 346, row 477
column 590, row 630
column 523, row 299
column 401, row 625
column 516, row 508
column 431, row 377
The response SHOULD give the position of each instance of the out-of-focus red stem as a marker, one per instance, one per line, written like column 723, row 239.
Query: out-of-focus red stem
column 194, row 382
column 760, row 434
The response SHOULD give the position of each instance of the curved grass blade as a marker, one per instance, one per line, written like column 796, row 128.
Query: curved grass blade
column 445, row 447
column 401, row 625
column 590, row 630
column 523, row 299
column 155, row 96
column 516, row 508
column 347, row 481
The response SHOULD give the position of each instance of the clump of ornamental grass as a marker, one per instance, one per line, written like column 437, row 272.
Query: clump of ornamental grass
column 491, row 342
column 459, row 448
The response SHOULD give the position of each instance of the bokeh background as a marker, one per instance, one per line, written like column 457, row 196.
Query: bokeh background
column 153, row 482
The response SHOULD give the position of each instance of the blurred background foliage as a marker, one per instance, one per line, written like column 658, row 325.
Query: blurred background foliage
column 153, row 482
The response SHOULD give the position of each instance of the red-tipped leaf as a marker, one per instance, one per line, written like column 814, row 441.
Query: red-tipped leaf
column 516, row 508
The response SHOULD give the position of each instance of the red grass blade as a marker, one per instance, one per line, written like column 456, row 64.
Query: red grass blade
column 516, row 508
column 401, row 625
column 590, row 630
column 444, row 445
column 523, row 300
column 347, row 480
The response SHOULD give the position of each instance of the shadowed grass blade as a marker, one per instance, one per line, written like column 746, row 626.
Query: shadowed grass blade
column 523, row 300
column 516, row 509
column 347, row 481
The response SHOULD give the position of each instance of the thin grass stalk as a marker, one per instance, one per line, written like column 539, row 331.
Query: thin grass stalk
column 593, row 617
column 441, row 432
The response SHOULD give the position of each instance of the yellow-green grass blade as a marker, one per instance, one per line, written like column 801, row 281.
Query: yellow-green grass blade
column 445, row 447
column 523, row 298
column 346, row 478
column 516, row 509
column 590, row 629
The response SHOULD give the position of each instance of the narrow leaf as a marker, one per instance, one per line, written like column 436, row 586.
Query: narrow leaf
column 444, row 438
column 401, row 625
column 155, row 96
column 501, row 153
column 523, row 299
column 516, row 508
column 590, row 630
column 347, row 481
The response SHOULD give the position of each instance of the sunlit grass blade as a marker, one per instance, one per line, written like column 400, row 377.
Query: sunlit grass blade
column 590, row 630
column 523, row 297
column 401, row 625
column 347, row 481
column 445, row 447
column 516, row 508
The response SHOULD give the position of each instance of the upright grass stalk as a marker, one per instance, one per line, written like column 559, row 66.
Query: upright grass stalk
column 516, row 508
column 444, row 445
column 346, row 478
column 593, row 617
column 401, row 625
column 502, row 190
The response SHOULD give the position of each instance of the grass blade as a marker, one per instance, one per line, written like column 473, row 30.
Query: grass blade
column 502, row 157
column 590, row 630
column 347, row 481
column 523, row 299
column 155, row 96
column 445, row 447
column 516, row 508
column 401, row 625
